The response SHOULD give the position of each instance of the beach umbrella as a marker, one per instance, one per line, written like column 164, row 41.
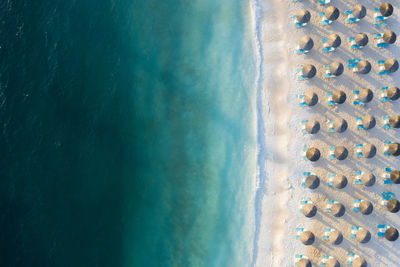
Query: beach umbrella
column 341, row 152
column 368, row 122
column 312, row 126
column 364, row 66
column 340, row 125
column 395, row 176
column 332, row 263
column 312, row 181
column 311, row 98
column 313, row 154
column 359, row 11
column 331, row 13
column 394, row 121
column 391, row 65
column 309, row 70
column 363, row 236
column 366, row 207
column 335, row 237
column 394, row 149
column 340, row 181
column 391, row 234
column 334, row 40
column 393, row 93
column 338, row 210
column 366, row 95
column 336, row 68
column 309, row 210
column 369, row 151
column 304, row 263
column 389, row 37
column 359, row 262
column 306, row 43
column 393, row 205
column 368, row 179
column 307, row 238
column 386, row 9
column 303, row 16
column 361, row 39
column 339, row 97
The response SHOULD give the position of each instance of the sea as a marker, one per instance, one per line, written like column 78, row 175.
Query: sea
column 128, row 132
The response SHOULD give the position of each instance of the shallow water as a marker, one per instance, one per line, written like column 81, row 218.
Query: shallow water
column 128, row 133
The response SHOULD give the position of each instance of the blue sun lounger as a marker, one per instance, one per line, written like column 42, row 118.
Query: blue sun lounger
column 350, row 17
column 379, row 19
column 379, row 41
column 297, row 24
column 357, row 177
column 384, row 97
column 386, row 124
column 353, row 44
column 381, row 64
column 386, row 152
column 331, row 177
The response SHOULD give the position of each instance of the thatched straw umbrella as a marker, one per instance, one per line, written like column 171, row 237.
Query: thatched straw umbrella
column 309, row 71
column 364, row 67
column 335, row 237
column 340, row 181
column 389, row 37
column 368, row 179
column 361, row 39
column 366, row 207
column 363, row 236
column 311, row 98
column 394, row 149
column 369, row 122
column 304, row 263
column 341, row 152
column 332, row 13
column 393, row 205
column 307, row 238
column 334, row 40
column 391, row 234
column 391, row 65
column 369, row 151
column 312, row 181
column 336, row 68
column 306, row 43
column 395, row 176
column 366, row 95
column 340, row 125
column 309, row 210
column 332, row 263
column 312, row 126
column 359, row 11
column 359, row 262
column 393, row 93
column 313, row 154
column 338, row 210
column 339, row 97
column 386, row 9
column 394, row 121
column 303, row 16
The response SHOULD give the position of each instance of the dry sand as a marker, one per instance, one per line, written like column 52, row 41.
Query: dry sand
column 286, row 141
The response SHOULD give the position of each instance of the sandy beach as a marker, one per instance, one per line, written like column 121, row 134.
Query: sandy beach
column 285, row 140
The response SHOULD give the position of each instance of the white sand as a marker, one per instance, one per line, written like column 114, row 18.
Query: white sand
column 285, row 141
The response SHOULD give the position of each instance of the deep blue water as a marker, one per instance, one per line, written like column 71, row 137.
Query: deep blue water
column 128, row 133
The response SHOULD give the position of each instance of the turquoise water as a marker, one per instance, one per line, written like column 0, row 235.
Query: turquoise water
column 128, row 133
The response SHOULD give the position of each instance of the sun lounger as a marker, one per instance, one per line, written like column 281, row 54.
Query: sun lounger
column 357, row 177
